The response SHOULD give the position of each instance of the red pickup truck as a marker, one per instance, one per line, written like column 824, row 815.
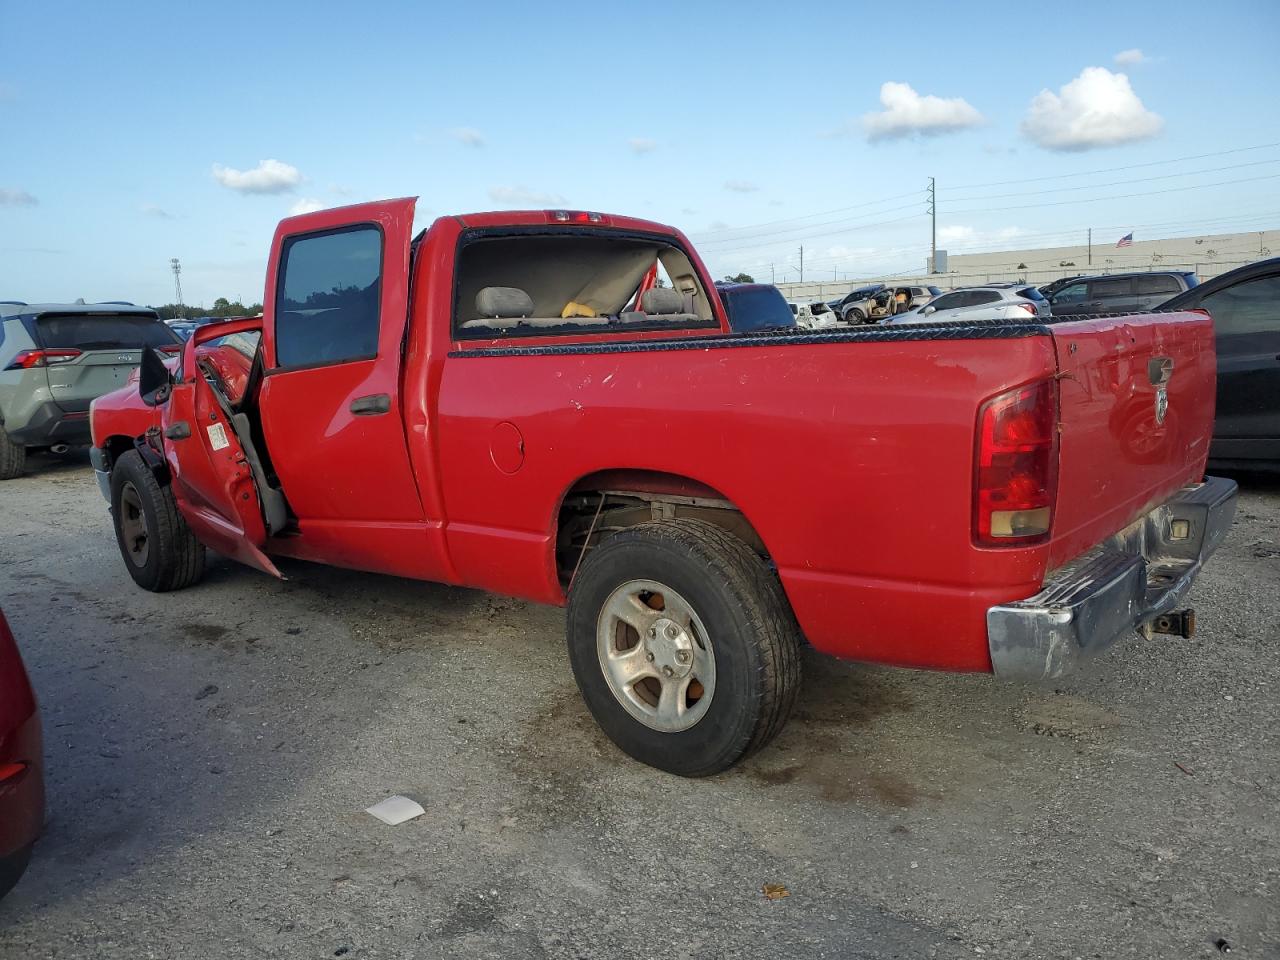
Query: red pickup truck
column 552, row 405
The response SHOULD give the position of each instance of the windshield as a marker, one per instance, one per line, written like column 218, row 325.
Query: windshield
column 81, row 331
column 1031, row 293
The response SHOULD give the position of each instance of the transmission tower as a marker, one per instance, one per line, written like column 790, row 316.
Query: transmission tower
column 177, row 283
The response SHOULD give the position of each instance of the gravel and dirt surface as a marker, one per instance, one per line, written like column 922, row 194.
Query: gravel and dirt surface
column 210, row 754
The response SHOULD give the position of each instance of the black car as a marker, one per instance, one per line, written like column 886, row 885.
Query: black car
column 755, row 306
column 1120, row 292
column 1245, row 305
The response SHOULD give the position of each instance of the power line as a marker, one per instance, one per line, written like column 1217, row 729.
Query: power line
column 1123, row 196
column 807, row 216
column 1114, row 183
column 1134, row 166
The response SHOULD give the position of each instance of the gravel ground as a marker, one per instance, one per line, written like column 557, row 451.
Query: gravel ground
column 210, row 754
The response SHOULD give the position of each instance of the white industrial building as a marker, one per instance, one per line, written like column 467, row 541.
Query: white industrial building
column 1208, row 256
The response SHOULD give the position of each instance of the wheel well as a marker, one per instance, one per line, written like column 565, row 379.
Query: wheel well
column 607, row 502
column 116, row 447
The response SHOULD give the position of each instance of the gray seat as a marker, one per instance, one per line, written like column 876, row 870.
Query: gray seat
column 662, row 301
column 503, row 303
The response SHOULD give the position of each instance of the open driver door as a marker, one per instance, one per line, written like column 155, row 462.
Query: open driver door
column 216, row 473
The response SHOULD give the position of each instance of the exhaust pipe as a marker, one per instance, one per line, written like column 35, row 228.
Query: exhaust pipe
column 59, row 448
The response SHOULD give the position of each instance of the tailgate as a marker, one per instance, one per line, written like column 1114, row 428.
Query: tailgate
column 75, row 383
column 1136, row 411
column 105, row 347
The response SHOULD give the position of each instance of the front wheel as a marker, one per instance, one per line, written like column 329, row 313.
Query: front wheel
column 159, row 550
column 855, row 316
column 684, row 646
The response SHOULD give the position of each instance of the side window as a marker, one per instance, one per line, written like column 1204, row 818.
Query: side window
column 1072, row 293
column 1111, row 288
column 979, row 297
column 1156, row 284
column 327, row 297
column 947, row 301
column 1249, row 307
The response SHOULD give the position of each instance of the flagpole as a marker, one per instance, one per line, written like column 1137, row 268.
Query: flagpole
column 1091, row 246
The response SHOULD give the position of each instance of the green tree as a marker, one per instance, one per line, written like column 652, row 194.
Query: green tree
column 741, row 278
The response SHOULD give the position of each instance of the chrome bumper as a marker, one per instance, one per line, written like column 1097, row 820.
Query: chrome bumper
column 101, row 471
column 1116, row 589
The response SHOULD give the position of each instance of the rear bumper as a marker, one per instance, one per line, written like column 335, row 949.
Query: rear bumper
column 48, row 423
column 1116, row 589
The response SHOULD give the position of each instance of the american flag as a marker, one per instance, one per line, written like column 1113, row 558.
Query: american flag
column 1125, row 241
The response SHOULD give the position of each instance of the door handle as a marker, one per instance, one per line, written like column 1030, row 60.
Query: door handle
column 372, row 405
column 177, row 431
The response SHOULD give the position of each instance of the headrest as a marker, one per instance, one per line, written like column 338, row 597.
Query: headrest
column 503, row 302
column 662, row 300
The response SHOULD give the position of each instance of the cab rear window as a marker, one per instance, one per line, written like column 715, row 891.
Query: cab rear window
column 102, row 332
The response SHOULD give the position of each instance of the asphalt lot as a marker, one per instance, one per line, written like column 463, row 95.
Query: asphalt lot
column 210, row 753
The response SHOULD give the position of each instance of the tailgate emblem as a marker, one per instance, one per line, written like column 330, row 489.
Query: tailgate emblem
column 1159, row 370
column 124, row 358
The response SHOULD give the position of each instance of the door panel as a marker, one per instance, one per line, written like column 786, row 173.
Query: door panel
column 331, row 398
column 1247, row 323
column 211, row 475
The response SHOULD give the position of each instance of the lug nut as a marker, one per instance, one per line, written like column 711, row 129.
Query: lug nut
column 667, row 671
column 682, row 656
column 672, row 632
column 653, row 631
column 649, row 656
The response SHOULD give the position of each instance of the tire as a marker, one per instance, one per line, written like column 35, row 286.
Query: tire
column 13, row 456
column 740, row 646
column 855, row 316
column 169, row 557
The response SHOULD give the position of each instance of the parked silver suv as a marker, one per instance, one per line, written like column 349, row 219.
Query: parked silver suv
column 55, row 359
column 994, row 301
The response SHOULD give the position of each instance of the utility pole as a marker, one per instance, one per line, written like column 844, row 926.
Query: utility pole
column 802, row 263
column 933, row 231
column 1091, row 246
column 772, row 276
column 177, row 282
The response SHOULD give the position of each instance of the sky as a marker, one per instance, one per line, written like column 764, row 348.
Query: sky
column 131, row 134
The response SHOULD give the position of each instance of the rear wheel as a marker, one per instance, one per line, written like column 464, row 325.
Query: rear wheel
column 13, row 456
column 855, row 316
column 158, row 548
column 683, row 645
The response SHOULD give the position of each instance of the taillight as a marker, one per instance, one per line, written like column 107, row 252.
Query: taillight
column 575, row 216
column 1016, row 466
column 10, row 771
column 27, row 359
column 1031, row 310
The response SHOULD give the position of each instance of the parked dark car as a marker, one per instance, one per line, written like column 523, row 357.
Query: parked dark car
column 1245, row 305
column 755, row 306
column 1120, row 292
column 21, row 770
column 1053, row 286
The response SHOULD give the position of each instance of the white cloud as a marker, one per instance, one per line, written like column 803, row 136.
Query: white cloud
column 269, row 176
column 468, row 136
column 1096, row 109
column 16, row 198
column 521, row 196
column 1130, row 58
column 740, row 186
column 305, row 205
column 642, row 145
column 154, row 210
column 688, row 211
column 907, row 113
column 340, row 190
